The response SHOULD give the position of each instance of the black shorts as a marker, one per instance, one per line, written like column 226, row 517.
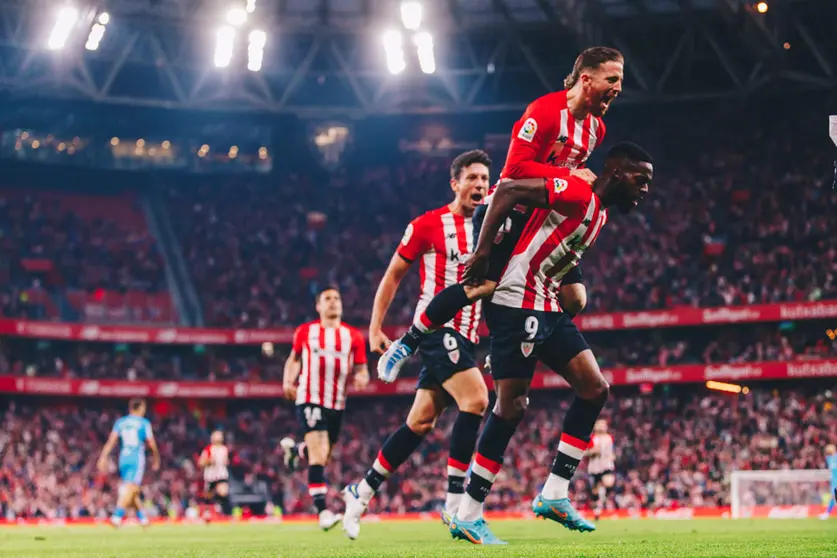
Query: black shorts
column 502, row 251
column 597, row 477
column 315, row 418
column 520, row 338
column 212, row 485
column 444, row 353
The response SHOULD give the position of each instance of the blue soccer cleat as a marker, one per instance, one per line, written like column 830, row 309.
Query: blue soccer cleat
column 475, row 532
column 391, row 362
column 561, row 511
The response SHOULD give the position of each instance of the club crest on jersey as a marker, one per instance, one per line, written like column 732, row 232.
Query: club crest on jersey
column 559, row 185
column 526, row 348
column 408, row 234
column 527, row 131
column 454, row 356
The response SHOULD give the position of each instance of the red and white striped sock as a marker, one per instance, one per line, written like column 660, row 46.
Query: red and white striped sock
column 570, row 453
column 456, row 484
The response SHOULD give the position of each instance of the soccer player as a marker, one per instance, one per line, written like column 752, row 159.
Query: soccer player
column 324, row 353
column 527, row 325
column 553, row 139
column 214, row 460
column 601, row 465
column 831, row 463
column 133, row 432
column 441, row 241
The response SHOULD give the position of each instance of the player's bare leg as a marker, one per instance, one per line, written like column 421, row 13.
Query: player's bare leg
column 442, row 309
column 222, row 497
column 512, row 400
column 127, row 492
column 592, row 390
column 319, row 451
column 601, row 490
column 427, row 406
column 137, row 504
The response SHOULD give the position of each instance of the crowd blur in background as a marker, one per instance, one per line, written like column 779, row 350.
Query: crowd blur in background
column 675, row 448
column 740, row 212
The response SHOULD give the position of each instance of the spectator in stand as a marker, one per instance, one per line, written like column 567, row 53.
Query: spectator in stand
column 674, row 448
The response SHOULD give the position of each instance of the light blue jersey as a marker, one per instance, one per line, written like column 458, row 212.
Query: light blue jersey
column 831, row 463
column 134, row 433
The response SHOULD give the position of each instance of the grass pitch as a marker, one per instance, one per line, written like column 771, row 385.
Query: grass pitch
column 614, row 538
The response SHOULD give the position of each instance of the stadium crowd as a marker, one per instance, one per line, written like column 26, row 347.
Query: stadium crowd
column 744, row 222
column 674, row 448
column 730, row 344
column 74, row 242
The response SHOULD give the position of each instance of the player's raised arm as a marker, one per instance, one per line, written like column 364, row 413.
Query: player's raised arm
column 508, row 194
column 396, row 270
column 108, row 447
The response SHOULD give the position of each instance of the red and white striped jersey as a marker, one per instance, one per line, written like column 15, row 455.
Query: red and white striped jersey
column 548, row 142
column 605, row 456
column 328, row 356
column 219, row 458
column 552, row 242
column 444, row 241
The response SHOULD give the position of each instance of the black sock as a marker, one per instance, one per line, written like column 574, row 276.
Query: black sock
column 224, row 502
column 463, row 439
column 492, row 445
column 442, row 309
column 317, row 486
column 578, row 424
column 395, row 451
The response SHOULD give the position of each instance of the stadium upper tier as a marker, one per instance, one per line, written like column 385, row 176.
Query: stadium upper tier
column 740, row 212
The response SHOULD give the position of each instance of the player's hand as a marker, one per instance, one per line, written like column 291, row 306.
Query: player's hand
column 361, row 379
column 289, row 392
column 586, row 175
column 475, row 268
column 378, row 341
column 102, row 465
column 155, row 466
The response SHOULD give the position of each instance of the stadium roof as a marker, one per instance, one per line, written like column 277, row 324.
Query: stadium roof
column 326, row 57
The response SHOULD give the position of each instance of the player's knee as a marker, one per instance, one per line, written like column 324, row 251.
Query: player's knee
column 475, row 402
column 421, row 425
column 478, row 292
column 596, row 391
column 511, row 409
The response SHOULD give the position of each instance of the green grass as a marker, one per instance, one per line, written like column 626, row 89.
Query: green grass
column 614, row 538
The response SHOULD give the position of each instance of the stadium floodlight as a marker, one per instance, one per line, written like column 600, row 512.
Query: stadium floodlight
column 237, row 17
column 64, row 23
column 251, row 6
column 224, row 39
column 394, row 52
column 411, row 15
column 97, row 31
column 255, row 50
column 424, row 48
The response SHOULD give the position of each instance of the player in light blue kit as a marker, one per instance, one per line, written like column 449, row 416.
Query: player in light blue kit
column 133, row 432
column 831, row 463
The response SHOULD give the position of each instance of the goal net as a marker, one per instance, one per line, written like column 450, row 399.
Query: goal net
column 791, row 493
